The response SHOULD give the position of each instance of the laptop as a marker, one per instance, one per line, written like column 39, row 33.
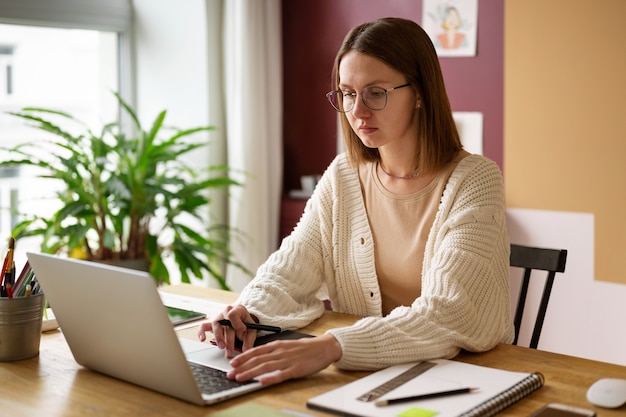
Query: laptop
column 115, row 323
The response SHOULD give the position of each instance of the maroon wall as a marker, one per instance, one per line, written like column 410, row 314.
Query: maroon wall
column 312, row 33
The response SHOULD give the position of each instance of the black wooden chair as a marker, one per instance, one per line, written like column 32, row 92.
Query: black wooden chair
column 532, row 258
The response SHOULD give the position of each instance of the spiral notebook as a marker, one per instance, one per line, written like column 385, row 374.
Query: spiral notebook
column 497, row 389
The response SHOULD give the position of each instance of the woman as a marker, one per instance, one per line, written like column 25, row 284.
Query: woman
column 405, row 229
column 451, row 38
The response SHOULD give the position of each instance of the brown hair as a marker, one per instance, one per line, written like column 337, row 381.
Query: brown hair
column 406, row 47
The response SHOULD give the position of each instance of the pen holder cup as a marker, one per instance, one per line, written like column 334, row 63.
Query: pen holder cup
column 20, row 327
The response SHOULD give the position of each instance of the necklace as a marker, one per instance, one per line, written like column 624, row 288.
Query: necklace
column 405, row 177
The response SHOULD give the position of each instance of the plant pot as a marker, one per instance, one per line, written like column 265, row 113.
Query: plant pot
column 137, row 264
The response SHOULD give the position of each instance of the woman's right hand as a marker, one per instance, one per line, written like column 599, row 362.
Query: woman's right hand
column 225, row 335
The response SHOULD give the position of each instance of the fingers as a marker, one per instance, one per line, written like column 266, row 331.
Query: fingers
column 204, row 327
column 225, row 335
column 238, row 316
column 285, row 359
column 248, row 340
column 266, row 362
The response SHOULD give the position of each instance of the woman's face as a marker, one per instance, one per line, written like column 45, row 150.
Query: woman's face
column 394, row 125
column 452, row 20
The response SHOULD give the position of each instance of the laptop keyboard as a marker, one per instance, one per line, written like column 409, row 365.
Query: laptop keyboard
column 211, row 380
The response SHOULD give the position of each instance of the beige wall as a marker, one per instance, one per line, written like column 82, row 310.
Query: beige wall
column 565, row 116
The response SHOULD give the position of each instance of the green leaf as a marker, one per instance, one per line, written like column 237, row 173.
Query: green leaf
column 126, row 193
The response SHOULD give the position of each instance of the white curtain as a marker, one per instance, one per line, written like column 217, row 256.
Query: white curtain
column 251, row 80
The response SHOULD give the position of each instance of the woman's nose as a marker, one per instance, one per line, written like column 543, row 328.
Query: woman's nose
column 360, row 109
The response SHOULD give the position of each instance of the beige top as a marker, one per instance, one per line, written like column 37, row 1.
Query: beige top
column 465, row 296
column 400, row 226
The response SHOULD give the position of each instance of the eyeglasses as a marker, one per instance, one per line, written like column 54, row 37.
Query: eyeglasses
column 375, row 98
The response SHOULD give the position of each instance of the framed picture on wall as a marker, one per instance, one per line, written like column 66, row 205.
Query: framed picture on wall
column 452, row 26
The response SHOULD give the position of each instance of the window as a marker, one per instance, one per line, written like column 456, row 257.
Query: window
column 6, row 64
column 73, row 70
column 62, row 55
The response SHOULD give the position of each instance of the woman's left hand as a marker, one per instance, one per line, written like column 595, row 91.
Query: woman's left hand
column 285, row 359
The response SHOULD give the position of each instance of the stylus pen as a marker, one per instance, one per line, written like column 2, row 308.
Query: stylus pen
column 424, row 396
column 255, row 326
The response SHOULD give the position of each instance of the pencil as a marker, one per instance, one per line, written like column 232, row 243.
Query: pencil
column 254, row 326
column 383, row 403
column 8, row 259
column 9, row 288
column 5, row 275
column 12, row 274
column 10, row 254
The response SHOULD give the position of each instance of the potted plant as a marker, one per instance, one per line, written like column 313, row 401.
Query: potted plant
column 126, row 197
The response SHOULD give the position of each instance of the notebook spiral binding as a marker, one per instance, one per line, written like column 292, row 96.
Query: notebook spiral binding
column 507, row 398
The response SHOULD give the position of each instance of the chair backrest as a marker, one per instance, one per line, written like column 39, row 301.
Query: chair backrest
column 532, row 258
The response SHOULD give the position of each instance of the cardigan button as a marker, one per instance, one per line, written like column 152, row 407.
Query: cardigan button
column 371, row 294
column 362, row 241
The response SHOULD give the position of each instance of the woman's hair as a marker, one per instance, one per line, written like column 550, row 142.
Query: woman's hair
column 405, row 46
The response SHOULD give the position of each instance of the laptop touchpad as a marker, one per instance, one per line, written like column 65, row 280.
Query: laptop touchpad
column 211, row 356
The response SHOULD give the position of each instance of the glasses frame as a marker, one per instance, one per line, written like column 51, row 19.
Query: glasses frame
column 363, row 97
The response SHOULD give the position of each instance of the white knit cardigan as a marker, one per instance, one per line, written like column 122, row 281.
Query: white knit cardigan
column 465, row 301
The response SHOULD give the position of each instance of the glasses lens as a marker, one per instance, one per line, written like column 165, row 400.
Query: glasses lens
column 342, row 102
column 334, row 98
column 375, row 98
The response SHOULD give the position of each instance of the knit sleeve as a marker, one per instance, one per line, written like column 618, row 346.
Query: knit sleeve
column 465, row 301
column 288, row 288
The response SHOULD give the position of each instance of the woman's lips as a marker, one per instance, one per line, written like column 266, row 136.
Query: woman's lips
column 367, row 129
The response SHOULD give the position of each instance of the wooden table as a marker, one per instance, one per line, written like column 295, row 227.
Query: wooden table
column 53, row 384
